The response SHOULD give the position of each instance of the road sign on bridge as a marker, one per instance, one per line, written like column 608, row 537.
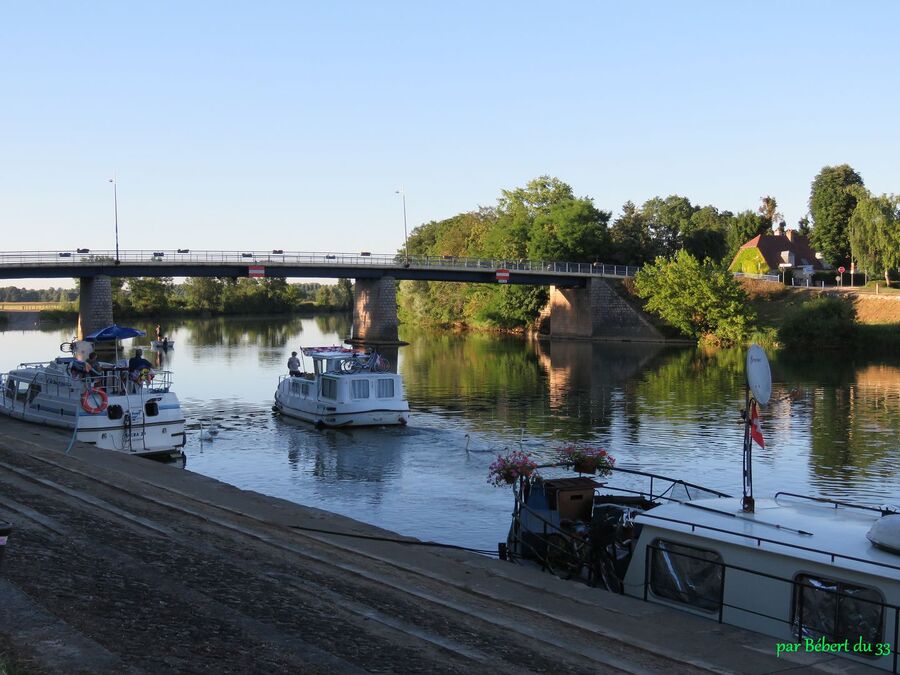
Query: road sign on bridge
column 256, row 271
column 502, row 276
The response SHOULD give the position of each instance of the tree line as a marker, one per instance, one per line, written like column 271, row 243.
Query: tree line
column 545, row 220
column 156, row 296
column 16, row 294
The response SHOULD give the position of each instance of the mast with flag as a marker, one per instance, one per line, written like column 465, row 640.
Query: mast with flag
column 759, row 384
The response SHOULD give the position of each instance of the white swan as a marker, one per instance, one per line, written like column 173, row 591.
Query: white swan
column 208, row 433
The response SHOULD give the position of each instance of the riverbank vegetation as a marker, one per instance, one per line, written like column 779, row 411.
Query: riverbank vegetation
column 210, row 296
column 545, row 220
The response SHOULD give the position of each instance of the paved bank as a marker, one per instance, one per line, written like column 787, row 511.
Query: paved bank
column 118, row 564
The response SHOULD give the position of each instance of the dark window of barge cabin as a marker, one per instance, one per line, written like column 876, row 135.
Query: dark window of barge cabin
column 837, row 610
column 685, row 574
column 329, row 388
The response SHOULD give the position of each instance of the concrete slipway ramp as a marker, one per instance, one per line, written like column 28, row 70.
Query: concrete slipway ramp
column 122, row 565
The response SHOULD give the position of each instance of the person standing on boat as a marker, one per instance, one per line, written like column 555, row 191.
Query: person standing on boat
column 158, row 332
column 92, row 365
column 294, row 365
column 137, row 364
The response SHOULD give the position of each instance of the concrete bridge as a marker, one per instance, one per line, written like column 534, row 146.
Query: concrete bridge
column 583, row 303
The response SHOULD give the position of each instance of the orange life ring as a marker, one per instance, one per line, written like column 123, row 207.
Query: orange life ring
column 86, row 401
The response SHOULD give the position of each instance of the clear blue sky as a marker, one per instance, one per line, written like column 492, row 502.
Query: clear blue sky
column 290, row 125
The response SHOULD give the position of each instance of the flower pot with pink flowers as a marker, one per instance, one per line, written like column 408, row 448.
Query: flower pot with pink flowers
column 586, row 459
column 506, row 470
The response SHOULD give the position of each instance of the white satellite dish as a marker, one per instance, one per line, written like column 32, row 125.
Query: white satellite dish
column 759, row 377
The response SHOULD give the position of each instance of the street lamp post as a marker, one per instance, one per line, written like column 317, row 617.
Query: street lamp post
column 405, row 236
column 116, row 212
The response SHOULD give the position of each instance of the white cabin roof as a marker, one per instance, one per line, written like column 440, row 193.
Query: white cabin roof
column 334, row 352
column 778, row 527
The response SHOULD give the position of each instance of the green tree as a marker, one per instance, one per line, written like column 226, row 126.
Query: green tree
column 831, row 206
column 742, row 228
column 821, row 322
column 803, row 225
column 630, row 236
column 668, row 219
column 572, row 230
column 704, row 236
column 203, row 294
column 874, row 232
column 343, row 294
column 701, row 299
column 150, row 295
column 769, row 210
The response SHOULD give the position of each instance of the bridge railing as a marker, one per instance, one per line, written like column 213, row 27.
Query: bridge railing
column 82, row 257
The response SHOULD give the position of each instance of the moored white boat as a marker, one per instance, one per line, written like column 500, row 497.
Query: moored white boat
column 345, row 389
column 162, row 344
column 105, row 407
column 819, row 575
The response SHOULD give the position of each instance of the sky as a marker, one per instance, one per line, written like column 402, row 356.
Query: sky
column 291, row 125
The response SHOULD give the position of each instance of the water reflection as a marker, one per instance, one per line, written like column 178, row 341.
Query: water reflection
column 833, row 427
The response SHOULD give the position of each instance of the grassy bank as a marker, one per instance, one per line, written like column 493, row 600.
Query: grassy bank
column 877, row 326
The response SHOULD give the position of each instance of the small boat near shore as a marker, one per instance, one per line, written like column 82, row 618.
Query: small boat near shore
column 103, row 405
column 164, row 345
column 346, row 388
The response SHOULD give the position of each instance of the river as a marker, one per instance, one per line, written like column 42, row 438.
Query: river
column 832, row 429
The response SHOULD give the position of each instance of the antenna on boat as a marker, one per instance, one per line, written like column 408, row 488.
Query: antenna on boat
column 759, row 383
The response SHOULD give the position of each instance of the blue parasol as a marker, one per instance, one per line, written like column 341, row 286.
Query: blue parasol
column 114, row 332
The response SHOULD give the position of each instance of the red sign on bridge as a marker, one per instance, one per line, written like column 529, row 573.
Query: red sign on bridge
column 502, row 276
column 257, row 271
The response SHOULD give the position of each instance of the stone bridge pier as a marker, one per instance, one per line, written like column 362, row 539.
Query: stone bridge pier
column 375, row 310
column 95, row 309
column 597, row 311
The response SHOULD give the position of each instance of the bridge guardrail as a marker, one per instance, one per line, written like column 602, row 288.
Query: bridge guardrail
column 83, row 257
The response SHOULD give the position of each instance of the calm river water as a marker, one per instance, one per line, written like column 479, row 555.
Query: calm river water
column 833, row 428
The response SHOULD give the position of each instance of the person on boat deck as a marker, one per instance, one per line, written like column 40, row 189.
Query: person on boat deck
column 92, row 365
column 158, row 332
column 137, row 363
column 294, row 365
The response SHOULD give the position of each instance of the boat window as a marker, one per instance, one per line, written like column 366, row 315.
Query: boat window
column 21, row 390
column 359, row 388
column 693, row 576
column 329, row 388
column 837, row 610
column 295, row 388
column 386, row 388
column 304, row 389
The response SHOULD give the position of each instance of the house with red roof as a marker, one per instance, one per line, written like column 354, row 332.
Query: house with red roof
column 774, row 253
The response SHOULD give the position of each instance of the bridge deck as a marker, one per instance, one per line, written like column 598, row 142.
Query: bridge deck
column 184, row 262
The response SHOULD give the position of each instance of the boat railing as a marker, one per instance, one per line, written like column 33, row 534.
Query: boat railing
column 883, row 510
column 795, row 621
column 831, row 555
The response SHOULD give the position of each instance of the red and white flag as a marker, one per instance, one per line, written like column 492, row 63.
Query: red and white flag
column 257, row 271
column 755, row 431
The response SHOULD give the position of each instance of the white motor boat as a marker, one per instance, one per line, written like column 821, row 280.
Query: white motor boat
column 165, row 345
column 346, row 388
column 103, row 407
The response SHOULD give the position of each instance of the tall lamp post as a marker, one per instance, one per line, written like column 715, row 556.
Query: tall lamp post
column 405, row 236
column 116, row 211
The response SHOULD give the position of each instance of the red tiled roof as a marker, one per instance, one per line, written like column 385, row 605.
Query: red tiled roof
column 771, row 245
